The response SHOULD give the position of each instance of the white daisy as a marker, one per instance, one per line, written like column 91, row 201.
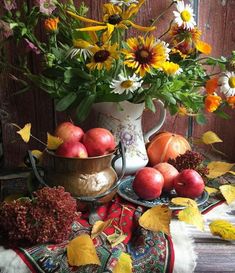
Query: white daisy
column 124, row 2
column 227, row 82
column 126, row 84
column 184, row 16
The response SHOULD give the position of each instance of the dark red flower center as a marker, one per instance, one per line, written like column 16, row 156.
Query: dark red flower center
column 143, row 56
column 114, row 19
column 101, row 56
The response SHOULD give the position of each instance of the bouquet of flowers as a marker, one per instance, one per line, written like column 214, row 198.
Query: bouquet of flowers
column 83, row 61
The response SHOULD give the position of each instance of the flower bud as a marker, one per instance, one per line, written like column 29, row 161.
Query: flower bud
column 51, row 24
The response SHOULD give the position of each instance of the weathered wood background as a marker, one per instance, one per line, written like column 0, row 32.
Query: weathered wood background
column 216, row 19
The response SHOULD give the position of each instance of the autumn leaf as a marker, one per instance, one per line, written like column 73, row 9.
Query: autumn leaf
column 116, row 238
column 124, row 264
column 157, row 219
column 232, row 172
column 211, row 190
column 228, row 192
column 218, row 168
column 210, row 137
column 99, row 227
column 186, row 202
column 53, row 142
column 25, row 132
column 223, row 228
column 81, row 251
column 192, row 216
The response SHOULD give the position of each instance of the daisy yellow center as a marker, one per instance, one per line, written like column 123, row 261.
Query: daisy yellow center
column 127, row 84
column 143, row 56
column 186, row 16
column 114, row 19
column 101, row 56
column 232, row 82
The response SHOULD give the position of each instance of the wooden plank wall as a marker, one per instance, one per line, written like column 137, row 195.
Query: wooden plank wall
column 216, row 20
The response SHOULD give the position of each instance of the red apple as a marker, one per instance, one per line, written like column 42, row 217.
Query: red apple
column 189, row 183
column 169, row 172
column 72, row 149
column 98, row 141
column 67, row 131
column 148, row 183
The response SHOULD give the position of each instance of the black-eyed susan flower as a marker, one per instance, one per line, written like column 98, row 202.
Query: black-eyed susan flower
column 184, row 15
column 227, row 82
column 126, row 84
column 113, row 17
column 103, row 56
column 144, row 54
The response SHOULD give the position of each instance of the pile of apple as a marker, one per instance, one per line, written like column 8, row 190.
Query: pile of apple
column 150, row 182
column 80, row 144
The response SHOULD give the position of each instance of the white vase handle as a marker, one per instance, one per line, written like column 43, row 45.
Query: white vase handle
column 158, row 126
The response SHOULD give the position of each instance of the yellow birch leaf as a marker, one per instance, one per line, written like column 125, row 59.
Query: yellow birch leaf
column 186, row 202
column 25, row 132
column 192, row 216
column 218, row 168
column 81, row 251
column 211, row 190
column 210, row 137
column 228, row 192
column 99, row 227
column 156, row 219
column 53, row 142
column 223, row 228
column 232, row 172
column 115, row 239
column 124, row 264
column 37, row 154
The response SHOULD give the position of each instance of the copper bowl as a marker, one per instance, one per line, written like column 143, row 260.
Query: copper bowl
column 91, row 179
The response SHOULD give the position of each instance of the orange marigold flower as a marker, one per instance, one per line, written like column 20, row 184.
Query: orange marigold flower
column 51, row 24
column 212, row 102
column 231, row 101
column 211, row 85
column 203, row 47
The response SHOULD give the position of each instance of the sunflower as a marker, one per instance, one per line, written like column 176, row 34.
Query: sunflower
column 103, row 56
column 113, row 17
column 143, row 54
column 227, row 82
column 126, row 84
column 184, row 15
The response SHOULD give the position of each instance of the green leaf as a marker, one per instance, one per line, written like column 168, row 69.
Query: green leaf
column 149, row 104
column 84, row 108
column 222, row 114
column 66, row 101
column 201, row 119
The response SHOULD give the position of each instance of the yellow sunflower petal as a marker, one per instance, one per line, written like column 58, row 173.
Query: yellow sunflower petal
column 141, row 28
column 81, row 251
column 94, row 28
column 124, row 264
column 83, row 19
column 53, row 142
column 25, row 132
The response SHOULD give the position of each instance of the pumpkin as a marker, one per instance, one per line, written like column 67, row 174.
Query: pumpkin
column 166, row 145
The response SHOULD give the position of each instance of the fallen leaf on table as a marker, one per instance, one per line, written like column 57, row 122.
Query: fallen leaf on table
column 182, row 201
column 81, row 251
column 211, row 190
column 99, row 227
column 124, row 264
column 157, row 219
column 116, row 238
column 25, row 132
column 210, row 137
column 192, row 216
column 228, row 192
column 218, row 168
column 53, row 142
column 223, row 228
column 232, row 172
